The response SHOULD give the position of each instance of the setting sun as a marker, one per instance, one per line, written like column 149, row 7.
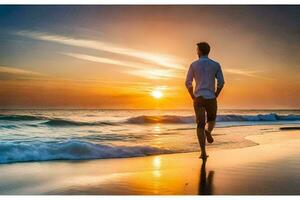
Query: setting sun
column 157, row 94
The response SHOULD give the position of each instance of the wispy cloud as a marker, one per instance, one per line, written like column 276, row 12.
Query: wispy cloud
column 16, row 71
column 154, row 73
column 143, row 70
column 108, row 60
column 164, row 60
column 249, row 73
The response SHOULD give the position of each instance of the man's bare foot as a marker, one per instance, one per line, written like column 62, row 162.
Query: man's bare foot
column 203, row 156
column 210, row 139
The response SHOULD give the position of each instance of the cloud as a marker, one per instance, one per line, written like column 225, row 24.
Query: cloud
column 249, row 73
column 154, row 73
column 143, row 70
column 163, row 60
column 108, row 61
column 13, row 73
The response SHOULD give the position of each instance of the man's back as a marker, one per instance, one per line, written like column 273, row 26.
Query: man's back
column 204, row 71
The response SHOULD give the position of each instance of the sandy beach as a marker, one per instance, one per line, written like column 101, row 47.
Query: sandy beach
column 272, row 167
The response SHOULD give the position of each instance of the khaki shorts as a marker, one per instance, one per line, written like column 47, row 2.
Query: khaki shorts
column 205, row 110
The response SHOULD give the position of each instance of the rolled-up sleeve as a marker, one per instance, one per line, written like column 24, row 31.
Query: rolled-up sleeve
column 189, row 78
column 220, row 77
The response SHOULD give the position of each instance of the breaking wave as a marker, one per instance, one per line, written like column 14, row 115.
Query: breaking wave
column 64, row 122
column 21, row 117
column 220, row 118
column 12, row 152
column 147, row 119
column 52, row 121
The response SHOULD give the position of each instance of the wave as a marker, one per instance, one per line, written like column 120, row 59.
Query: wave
column 21, row 117
column 64, row 122
column 147, row 119
column 175, row 119
column 8, row 126
column 12, row 152
column 260, row 117
column 51, row 121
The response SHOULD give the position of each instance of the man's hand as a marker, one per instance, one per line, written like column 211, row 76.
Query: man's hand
column 193, row 97
column 219, row 89
column 191, row 93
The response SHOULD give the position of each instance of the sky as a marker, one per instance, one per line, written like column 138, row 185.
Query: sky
column 119, row 56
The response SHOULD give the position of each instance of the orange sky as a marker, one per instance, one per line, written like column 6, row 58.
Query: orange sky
column 114, row 57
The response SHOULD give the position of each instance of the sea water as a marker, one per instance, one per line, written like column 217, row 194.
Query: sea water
column 40, row 135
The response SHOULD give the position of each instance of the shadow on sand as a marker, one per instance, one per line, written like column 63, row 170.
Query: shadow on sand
column 205, row 183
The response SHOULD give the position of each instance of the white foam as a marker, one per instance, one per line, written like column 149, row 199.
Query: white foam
column 69, row 150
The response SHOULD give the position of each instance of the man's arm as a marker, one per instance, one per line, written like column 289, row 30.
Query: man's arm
column 220, row 79
column 218, row 91
column 189, row 82
column 191, row 91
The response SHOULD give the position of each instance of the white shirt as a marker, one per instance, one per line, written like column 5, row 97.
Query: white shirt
column 204, row 71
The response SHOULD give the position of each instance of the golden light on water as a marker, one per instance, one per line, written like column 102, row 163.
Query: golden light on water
column 157, row 94
column 156, row 162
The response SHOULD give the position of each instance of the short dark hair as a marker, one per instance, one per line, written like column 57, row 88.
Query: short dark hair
column 204, row 48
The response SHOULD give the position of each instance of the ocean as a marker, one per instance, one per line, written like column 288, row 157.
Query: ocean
column 44, row 135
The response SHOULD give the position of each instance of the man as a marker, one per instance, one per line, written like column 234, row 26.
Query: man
column 204, row 71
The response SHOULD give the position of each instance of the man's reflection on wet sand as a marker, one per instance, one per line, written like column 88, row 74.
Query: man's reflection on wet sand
column 205, row 184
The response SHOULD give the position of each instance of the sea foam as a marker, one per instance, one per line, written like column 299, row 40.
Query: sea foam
column 12, row 152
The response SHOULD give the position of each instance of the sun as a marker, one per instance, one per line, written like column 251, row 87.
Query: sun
column 157, row 94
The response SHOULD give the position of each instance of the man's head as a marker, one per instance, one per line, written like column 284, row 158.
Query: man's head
column 203, row 49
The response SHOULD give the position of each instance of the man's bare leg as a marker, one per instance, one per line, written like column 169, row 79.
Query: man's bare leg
column 201, row 139
column 210, row 127
column 200, row 119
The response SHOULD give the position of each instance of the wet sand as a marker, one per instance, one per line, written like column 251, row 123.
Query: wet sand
column 272, row 167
